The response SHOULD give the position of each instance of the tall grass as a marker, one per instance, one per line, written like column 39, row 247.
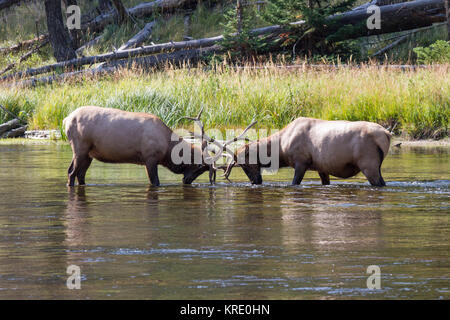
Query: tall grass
column 418, row 101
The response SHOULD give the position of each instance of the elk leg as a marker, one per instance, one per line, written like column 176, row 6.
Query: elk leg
column 84, row 166
column 70, row 167
column 299, row 174
column 70, row 175
column 371, row 167
column 152, row 172
column 77, row 165
column 325, row 178
column 374, row 177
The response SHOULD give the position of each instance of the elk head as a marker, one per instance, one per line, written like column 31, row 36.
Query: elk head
column 243, row 156
column 220, row 149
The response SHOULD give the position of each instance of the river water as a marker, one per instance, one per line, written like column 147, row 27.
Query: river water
column 229, row 241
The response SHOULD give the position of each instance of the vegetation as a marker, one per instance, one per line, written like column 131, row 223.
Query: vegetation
column 417, row 103
column 316, row 36
column 208, row 19
column 438, row 52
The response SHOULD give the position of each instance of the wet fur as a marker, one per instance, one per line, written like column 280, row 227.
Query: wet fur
column 338, row 148
column 115, row 136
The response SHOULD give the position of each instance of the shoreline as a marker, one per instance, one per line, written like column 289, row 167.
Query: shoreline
column 423, row 143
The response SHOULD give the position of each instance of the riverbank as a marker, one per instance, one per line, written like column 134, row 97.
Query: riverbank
column 397, row 142
column 415, row 104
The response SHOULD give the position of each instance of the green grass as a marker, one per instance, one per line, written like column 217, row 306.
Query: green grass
column 417, row 100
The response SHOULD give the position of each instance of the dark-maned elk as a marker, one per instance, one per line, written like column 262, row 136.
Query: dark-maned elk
column 338, row 148
column 115, row 136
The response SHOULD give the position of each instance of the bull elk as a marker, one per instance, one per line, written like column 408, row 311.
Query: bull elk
column 338, row 148
column 115, row 136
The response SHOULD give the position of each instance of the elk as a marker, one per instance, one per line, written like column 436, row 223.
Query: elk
column 338, row 148
column 116, row 136
column 220, row 148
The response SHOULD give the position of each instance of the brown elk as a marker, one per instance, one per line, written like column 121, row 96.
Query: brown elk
column 115, row 136
column 338, row 148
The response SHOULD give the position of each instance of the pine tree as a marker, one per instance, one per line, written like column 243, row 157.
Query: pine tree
column 238, row 40
column 317, row 35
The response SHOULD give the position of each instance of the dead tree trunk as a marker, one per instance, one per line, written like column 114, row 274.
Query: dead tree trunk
column 10, row 125
column 141, row 10
column 447, row 10
column 121, row 11
column 430, row 11
column 58, row 34
column 178, row 58
column 239, row 17
column 24, row 45
column 105, row 5
column 139, row 37
column 74, row 33
column 187, row 26
column 24, row 57
column 4, row 4
column 394, row 18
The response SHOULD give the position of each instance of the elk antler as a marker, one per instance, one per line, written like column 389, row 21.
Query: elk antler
column 239, row 137
column 223, row 150
column 205, row 147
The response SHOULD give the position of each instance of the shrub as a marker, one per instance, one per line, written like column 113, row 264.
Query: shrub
column 438, row 52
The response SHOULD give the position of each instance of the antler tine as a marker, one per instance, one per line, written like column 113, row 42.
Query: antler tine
column 233, row 161
column 197, row 120
column 228, row 153
column 200, row 113
column 241, row 136
column 228, row 170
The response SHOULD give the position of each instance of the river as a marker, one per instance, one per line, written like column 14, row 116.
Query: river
column 228, row 241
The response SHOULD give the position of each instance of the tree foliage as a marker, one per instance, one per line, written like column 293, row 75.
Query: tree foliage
column 438, row 52
column 318, row 35
column 238, row 39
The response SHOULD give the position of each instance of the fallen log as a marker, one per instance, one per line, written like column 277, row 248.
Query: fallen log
column 395, row 18
column 130, row 53
column 15, row 133
column 377, row 3
column 24, row 44
column 24, row 57
column 175, row 58
column 139, row 37
column 9, row 112
column 390, row 46
column 4, row 4
column 8, row 126
column 141, row 10
column 402, row 38
column 89, row 44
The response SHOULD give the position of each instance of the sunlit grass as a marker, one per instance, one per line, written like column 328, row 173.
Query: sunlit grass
column 418, row 101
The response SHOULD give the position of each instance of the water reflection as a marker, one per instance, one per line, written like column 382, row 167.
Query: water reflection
column 330, row 222
column 76, row 216
column 227, row 241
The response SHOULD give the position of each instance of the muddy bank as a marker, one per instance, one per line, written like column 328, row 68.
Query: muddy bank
column 52, row 136
column 420, row 143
